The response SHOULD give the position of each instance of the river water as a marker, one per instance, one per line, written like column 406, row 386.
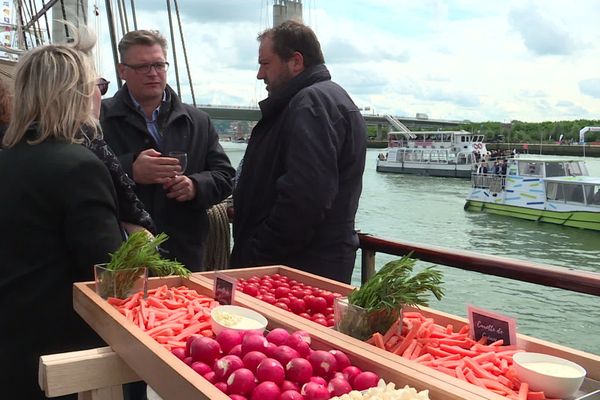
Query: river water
column 430, row 210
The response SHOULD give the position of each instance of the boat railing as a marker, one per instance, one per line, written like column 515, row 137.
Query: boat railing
column 525, row 271
column 493, row 182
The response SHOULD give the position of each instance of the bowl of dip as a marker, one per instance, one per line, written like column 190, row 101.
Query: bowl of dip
column 555, row 376
column 236, row 318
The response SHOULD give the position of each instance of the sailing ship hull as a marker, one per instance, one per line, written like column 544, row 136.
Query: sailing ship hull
column 427, row 169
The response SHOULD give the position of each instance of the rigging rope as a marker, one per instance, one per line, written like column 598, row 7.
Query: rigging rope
column 64, row 17
column 124, row 8
column 47, row 24
column 218, row 243
column 132, row 2
column 185, row 56
column 174, row 50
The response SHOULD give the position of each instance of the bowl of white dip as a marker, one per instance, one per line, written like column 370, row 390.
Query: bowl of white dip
column 236, row 318
column 555, row 376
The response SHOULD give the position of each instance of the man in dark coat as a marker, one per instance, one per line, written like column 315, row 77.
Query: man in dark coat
column 301, row 179
column 146, row 120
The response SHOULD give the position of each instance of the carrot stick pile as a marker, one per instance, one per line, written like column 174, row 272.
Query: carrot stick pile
column 169, row 315
column 454, row 353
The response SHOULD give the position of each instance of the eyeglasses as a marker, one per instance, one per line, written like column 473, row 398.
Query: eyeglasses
column 102, row 85
column 145, row 68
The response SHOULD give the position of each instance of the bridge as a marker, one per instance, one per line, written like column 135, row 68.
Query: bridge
column 241, row 113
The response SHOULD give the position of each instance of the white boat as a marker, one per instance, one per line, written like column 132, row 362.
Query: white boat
column 433, row 153
column 558, row 191
column 233, row 145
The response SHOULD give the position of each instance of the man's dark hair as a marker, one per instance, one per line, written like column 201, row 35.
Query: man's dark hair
column 292, row 36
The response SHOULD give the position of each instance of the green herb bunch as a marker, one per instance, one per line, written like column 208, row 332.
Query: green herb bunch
column 393, row 287
column 378, row 303
column 140, row 250
column 127, row 264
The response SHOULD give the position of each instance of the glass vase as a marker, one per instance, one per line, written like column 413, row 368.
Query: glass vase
column 120, row 283
column 360, row 323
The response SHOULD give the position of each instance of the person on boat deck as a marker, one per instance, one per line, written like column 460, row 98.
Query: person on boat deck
column 483, row 168
column 58, row 211
column 144, row 121
column 298, row 192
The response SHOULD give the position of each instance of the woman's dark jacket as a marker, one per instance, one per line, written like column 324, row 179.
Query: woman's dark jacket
column 183, row 128
column 301, row 180
column 58, row 217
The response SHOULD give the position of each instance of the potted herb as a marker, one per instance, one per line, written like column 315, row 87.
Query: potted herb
column 128, row 268
column 378, row 303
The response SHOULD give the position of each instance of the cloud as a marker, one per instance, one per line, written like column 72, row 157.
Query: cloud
column 541, row 35
column 590, row 87
column 209, row 11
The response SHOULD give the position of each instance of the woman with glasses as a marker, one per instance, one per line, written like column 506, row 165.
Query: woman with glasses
column 58, row 210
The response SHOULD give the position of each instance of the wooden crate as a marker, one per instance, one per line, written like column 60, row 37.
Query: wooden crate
column 590, row 362
column 172, row 379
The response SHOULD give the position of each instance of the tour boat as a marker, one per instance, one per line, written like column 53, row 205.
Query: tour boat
column 433, row 153
column 558, row 191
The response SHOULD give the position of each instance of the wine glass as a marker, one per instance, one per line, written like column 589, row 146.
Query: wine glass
column 181, row 156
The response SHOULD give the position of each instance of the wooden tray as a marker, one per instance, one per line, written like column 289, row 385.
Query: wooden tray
column 590, row 362
column 172, row 379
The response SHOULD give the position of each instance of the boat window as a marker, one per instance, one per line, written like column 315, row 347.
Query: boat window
column 574, row 193
column 592, row 194
column 530, row 169
column 575, row 169
column 555, row 169
column 554, row 191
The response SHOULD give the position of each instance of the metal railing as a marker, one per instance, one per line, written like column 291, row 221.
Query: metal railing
column 541, row 274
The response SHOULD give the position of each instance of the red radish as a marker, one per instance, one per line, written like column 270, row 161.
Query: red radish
column 179, row 352
column 228, row 338
column 284, row 354
column 323, row 362
column 205, row 349
column 297, row 306
column 342, row 359
column 241, row 381
column 252, row 359
column 291, row 395
column 319, row 380
column 338, row 386
column 188, row 343
column 201, row 368
column 222, row 386
column 237, row 397
column 188, row 361
column 365, row 380
column 266, row 391
column 278, row 336
column 224, row 366
column 270, row 369
column 298, row 370
column 350, row 373
column 253, row 342
column 209, row 376
column 271, row 347
column 303, row 349
column 315, row 391
column 236, row 350
column 304, row 335
column 289, row 385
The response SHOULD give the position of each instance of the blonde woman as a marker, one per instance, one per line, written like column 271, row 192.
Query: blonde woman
column 58, row 211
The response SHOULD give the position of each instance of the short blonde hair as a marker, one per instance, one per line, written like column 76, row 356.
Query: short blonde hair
column 141, row 37
column 54, row 86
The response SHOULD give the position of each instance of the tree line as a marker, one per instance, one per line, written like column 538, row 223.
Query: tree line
column 523, row 132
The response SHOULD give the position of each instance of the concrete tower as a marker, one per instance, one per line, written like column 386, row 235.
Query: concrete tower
column 284, row 10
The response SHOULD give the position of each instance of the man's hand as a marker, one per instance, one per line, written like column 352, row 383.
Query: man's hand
column 180, row 188
column 149, row 167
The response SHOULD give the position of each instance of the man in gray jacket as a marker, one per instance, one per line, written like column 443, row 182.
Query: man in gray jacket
column 298, row 191
column 146, row 120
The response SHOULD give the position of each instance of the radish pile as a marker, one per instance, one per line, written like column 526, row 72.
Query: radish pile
column 290, row 295
column 278, row 366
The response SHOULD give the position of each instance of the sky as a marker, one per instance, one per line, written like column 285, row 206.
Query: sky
column 477, row 60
